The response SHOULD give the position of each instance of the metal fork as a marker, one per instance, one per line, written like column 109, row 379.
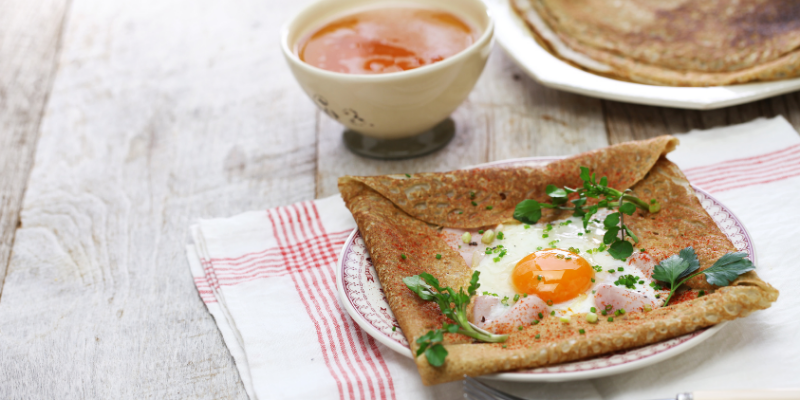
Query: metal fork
column 476, row 390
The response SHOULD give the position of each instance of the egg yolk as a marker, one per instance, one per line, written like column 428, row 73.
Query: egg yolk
column 554, row 275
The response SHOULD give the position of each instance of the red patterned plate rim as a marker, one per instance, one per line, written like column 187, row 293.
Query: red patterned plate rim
column 361, row 295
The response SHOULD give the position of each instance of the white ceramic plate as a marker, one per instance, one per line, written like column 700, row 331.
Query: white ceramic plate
column 515, row 37
column 363, row 298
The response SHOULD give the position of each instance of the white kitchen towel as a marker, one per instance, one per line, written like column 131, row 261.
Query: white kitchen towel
column 267, row 277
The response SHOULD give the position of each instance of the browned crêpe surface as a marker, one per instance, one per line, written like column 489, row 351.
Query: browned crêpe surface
column 672, row 42
column 391, row 229
column 474, row 198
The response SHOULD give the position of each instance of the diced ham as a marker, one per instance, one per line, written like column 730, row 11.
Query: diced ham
column 523, row 312
column 486, row 308
column 643, row 262
column 620, row 298
column 467, row 250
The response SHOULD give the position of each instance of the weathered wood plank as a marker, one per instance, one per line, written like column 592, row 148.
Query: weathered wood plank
column 161, row 113
column 507, row 115
column 27, row 65
column 634, row 122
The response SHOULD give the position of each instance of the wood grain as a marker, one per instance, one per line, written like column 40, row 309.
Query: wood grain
column 27, row 65
column 161, row 113
column 507, row 115
column 634, row 122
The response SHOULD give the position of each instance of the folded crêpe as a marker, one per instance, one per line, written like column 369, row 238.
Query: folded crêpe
column 671, row 42
column 401, row 215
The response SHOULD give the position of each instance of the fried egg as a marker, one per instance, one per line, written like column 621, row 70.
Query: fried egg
column 557, row 267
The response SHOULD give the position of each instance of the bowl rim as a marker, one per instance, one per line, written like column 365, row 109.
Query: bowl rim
column 486, row 36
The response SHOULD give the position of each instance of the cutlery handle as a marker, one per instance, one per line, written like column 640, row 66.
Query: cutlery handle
column 771, row 394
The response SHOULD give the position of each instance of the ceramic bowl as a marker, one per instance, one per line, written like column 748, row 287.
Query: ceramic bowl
column 398, row 104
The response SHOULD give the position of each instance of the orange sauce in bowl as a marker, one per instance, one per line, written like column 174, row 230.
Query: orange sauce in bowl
column 386, row 40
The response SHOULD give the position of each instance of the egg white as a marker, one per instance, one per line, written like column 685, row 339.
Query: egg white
column 519, row 241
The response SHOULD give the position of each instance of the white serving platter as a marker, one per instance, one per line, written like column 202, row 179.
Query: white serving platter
column 517, row 40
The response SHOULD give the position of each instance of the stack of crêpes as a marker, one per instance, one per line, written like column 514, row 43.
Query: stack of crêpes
column 671, row 42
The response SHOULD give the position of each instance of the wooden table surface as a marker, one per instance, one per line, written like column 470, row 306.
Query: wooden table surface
column 122, row 122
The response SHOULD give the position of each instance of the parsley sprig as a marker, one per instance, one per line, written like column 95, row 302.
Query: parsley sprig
column 683, row 266
column 530, row 211
column 454, row 306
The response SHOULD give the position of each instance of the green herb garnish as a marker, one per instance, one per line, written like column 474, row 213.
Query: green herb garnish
column 629, row 281
column 454, row 306
column 683, row 266
column 530, row 211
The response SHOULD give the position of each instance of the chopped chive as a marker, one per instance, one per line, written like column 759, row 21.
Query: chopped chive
column 541, row 315
column 580, row 233
column 500, row 235
column 471, row 195
column 702, row 292
column 537, row 336
column 474, row 203
column 581, row 331
column 527, row 227
column 539, row 277
column 403, row 256
column 535, row 322
column 504, row 346
column 592, row 280
column 408, row 176
column 394, row 328
column 480, row 231
column 438, row 256
column 552, row 312
column 489, row 207
column 545, row 236
column 620, row 269
column 549, row 303
column 610, row 319
column 593, row 309
column 524, row 295
column 519, row 328
column 604, row 312
column 516, row 297
column 642, row 250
